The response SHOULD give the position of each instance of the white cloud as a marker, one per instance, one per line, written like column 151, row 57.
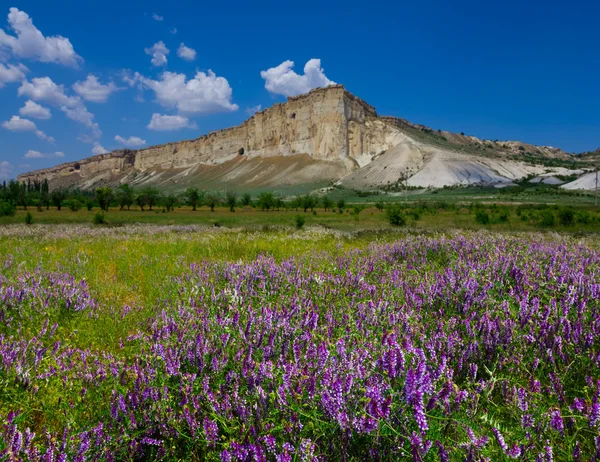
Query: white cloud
column 42, row 136
column 92, row 90
column 80, row 114
column 173, row 31
column 16, row 124
column 44, row 89
column 131, row 142
column 31, row 154
column 170, row 122
column 204, row 94
column 157, row 17
column 159, row 53
column 35, row 110
column 11, row 73
column 98, row 149
column 5, row 170
column 282, row 80
column 253, row 110
column 30, row 43
column 187, row 53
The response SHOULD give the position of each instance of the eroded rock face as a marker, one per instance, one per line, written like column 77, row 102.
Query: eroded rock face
column 328, row 124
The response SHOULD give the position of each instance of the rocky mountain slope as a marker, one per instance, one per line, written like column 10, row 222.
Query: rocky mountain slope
column 325, row 136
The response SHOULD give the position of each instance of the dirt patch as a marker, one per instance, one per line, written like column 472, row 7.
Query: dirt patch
column 247, row 208
column 370, row 211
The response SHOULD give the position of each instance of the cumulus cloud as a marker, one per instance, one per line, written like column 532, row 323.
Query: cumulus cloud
column 204, row 94
column 159, row 52
column 11, row 73
column 253, row 110
column 29, row 42
column 157, row 17
column 131, row 142
column 98, row 149
column 17, row 124
column 5, row 170
column 35, row 110
column 80, row 114
column 45, row 90
column 187, row 53
column 92, row 90
column 31, row 154
column 282, row 80
column 169, row 122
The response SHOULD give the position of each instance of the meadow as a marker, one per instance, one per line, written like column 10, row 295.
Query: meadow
column 196, row 342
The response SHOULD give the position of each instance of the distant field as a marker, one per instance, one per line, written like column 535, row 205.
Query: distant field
column 433, row 216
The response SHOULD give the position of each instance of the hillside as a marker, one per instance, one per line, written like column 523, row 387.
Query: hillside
column 323, row 137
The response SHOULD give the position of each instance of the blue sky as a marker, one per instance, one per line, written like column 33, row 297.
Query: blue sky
column 82, row 79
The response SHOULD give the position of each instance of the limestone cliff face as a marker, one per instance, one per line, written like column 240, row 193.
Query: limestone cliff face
column 327, row 124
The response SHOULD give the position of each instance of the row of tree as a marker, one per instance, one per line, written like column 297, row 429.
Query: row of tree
column 38, row 194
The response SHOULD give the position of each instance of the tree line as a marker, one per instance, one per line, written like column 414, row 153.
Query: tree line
column 38, row 194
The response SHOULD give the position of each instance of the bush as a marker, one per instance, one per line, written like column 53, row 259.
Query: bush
column 395, row 215
column 584, row 217
column 548, row 218
column 482, row 218
column 28, row 218
column 7, row 209
column 99, row 218
column 503, row 217
column 89, row 205
column 74, row 205
column 300, row 220
column 566, row 216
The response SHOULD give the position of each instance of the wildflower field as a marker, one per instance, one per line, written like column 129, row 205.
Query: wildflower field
column 191, row 343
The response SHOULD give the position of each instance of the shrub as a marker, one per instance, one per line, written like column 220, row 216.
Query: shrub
column 99, row 218
column 503, row 217
column 380, row 205
column 89, row 204
column 566, row 216
column 7, row 209
column 584, row 217
column 74, row 205
column 548, row 218
column 28, row 218
column 395, row 215
column 300, row 220
column 482, row 218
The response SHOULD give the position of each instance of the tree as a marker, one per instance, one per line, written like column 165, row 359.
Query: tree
column 125, row 196
column 46, row 193
column 266, row 200
column 327, row 203
column 308, row 202
column 150, row 196
column 104, row 196
column 57, row 197
column 212, row 199
column 194, row 197
column 341, row 204
column 170, row 202
column 231, row 199
column 395, row 215
column 246, row 200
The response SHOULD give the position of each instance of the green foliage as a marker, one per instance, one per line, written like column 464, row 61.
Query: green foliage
column 103, row 197
column 341, row 204
column 231, row 200
column 7, row 209
column 395, row 215
column 28, row 218
column 300, row 220
column 327, row 203
column 379, row 205
column 57, row 197
column 194, row 197
column 566, row 216
column 125, row 196
column 547, row 218
column 482, row 217
column 148, row 196
column 266, row 200
column 246, row 200
column 99, row 218
column 89, row 204
column 170, row 201
column 212, row 199
column 74, row 205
